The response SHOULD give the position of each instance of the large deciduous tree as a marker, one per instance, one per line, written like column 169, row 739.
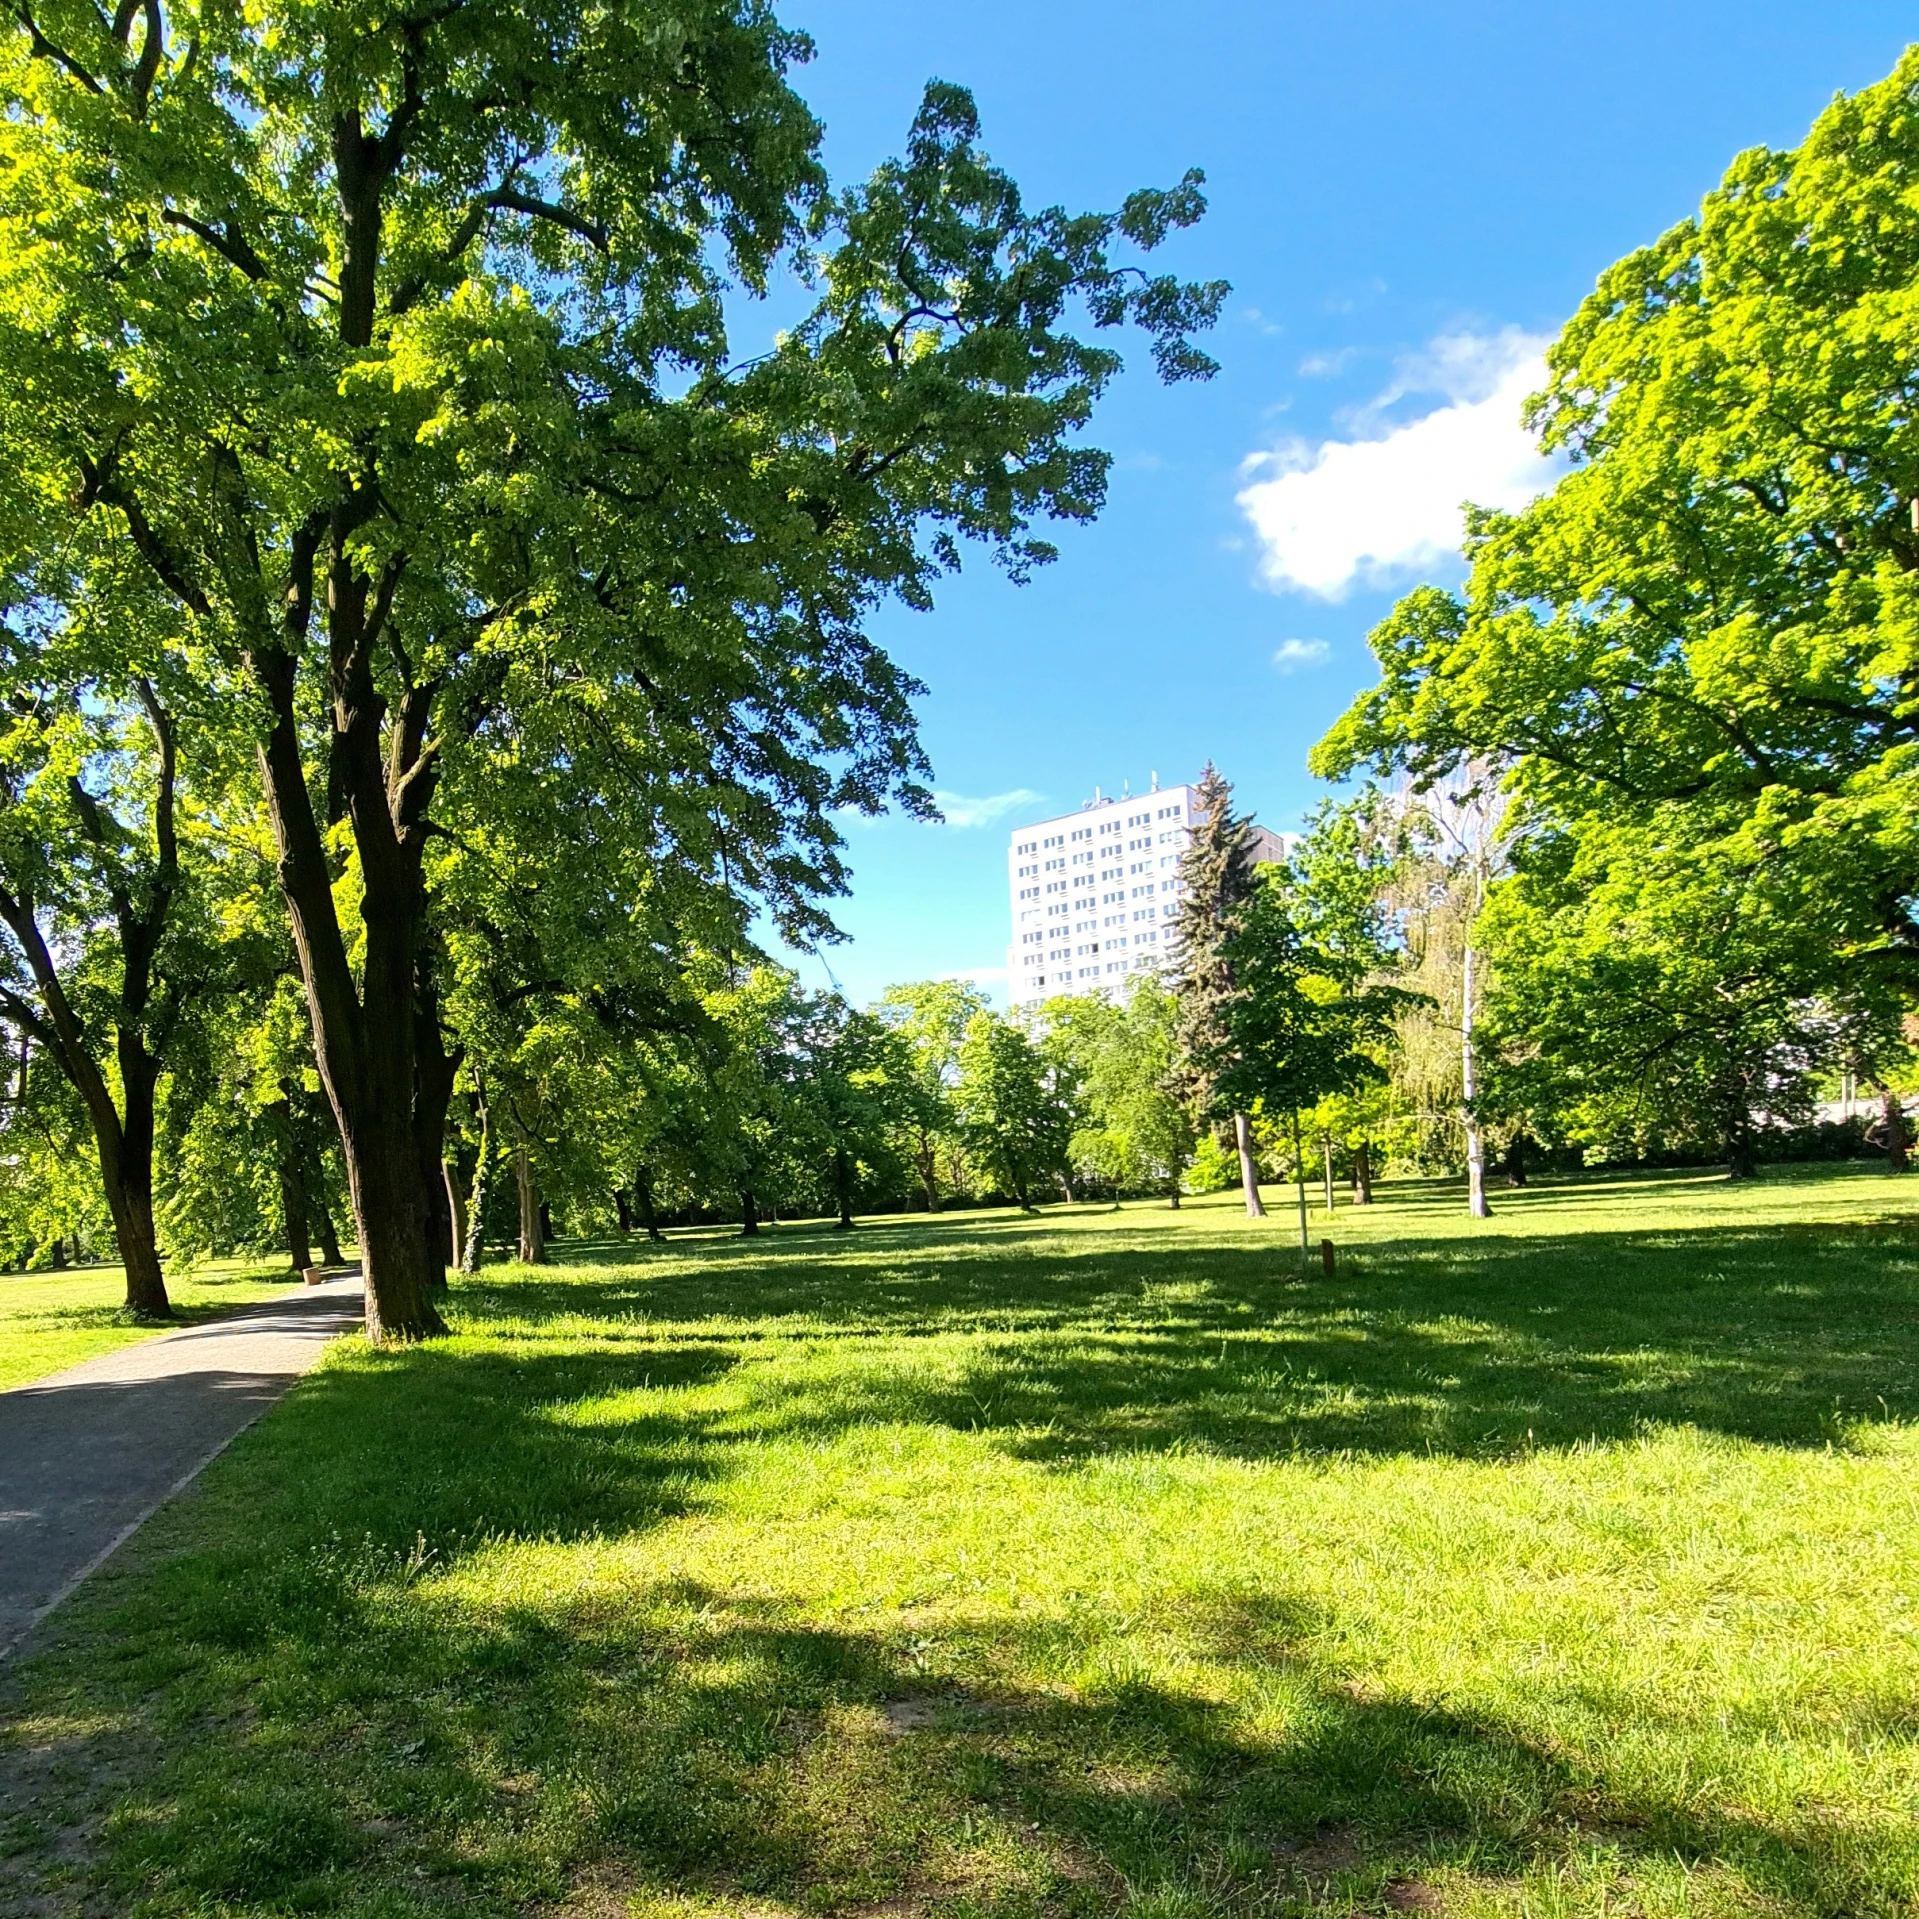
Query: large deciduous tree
column 1674, row 992
column 1712, row 620
column 931, row 1017
column 106, row 948
column 393, row 346
column 1017, row 1108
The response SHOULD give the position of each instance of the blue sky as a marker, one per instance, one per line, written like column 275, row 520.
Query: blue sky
column 1409, row 198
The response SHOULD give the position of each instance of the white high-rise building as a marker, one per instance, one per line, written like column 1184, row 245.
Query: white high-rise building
column 1094, row 893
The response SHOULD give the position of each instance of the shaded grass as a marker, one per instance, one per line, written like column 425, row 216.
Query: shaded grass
column 1087, row 1565
column 49, row 1321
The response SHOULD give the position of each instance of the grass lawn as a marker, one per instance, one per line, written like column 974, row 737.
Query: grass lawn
column 1084, row 1565
column 52, row 1320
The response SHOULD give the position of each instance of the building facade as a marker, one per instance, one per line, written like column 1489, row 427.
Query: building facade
column 1094, row 892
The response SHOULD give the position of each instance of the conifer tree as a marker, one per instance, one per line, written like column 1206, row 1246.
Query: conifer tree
column 1217, row 877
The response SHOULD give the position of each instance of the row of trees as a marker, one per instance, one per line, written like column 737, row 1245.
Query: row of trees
column 426, row 638
column 425, row 643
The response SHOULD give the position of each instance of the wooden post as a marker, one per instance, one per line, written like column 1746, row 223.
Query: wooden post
column 1326, row 1257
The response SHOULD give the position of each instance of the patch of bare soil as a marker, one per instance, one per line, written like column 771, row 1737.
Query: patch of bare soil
column 59, row 1779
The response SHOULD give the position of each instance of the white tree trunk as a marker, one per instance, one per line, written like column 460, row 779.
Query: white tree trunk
column 1469, row 1087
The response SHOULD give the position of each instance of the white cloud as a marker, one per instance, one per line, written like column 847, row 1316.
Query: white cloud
column 960, row 810
column 1293, row 654
column 1387, row 501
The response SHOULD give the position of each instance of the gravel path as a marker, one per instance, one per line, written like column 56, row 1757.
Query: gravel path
column 88, row 1454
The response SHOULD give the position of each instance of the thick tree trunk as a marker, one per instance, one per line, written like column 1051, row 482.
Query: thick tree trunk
column 749, row 1213
column 624, row 1211
column 329, row 1239
column 532, row 1220
column 1248, row 1168
column 128, row 1178
column 843, row 1187
column 547, row 1234
column 57, row 1255
column 1363, row 1173
column 366, row 1021
column 294, row 1216
column 1741, row 1162
column 1897, row 1141
column 643, row 1192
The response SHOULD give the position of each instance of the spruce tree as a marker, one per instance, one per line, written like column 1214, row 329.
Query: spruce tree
column 1216, row 878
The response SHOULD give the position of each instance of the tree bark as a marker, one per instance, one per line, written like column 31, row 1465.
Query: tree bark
column 294, row 1215
column 926, row 1152
column 624, row 1211
column 57, row 1256
column 329, row 1239
column 1363, row 1174
column 1326, row 1166
column 1897, row 1143
column 749, row 1214
column 643, row 1192
column 1248, row 1169
column 456, row 1213
column 532, row 1238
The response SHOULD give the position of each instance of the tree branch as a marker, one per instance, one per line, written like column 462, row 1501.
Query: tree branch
column 44, row 49
column 101, row 483
column 231, row 246
column 511, row 200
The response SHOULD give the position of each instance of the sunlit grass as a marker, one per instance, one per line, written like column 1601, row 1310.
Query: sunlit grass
column 49, row 1321
column 1087, row 1565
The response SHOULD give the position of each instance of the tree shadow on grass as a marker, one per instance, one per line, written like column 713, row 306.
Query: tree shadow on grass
column 1786, row 1334
column 491, row 1759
